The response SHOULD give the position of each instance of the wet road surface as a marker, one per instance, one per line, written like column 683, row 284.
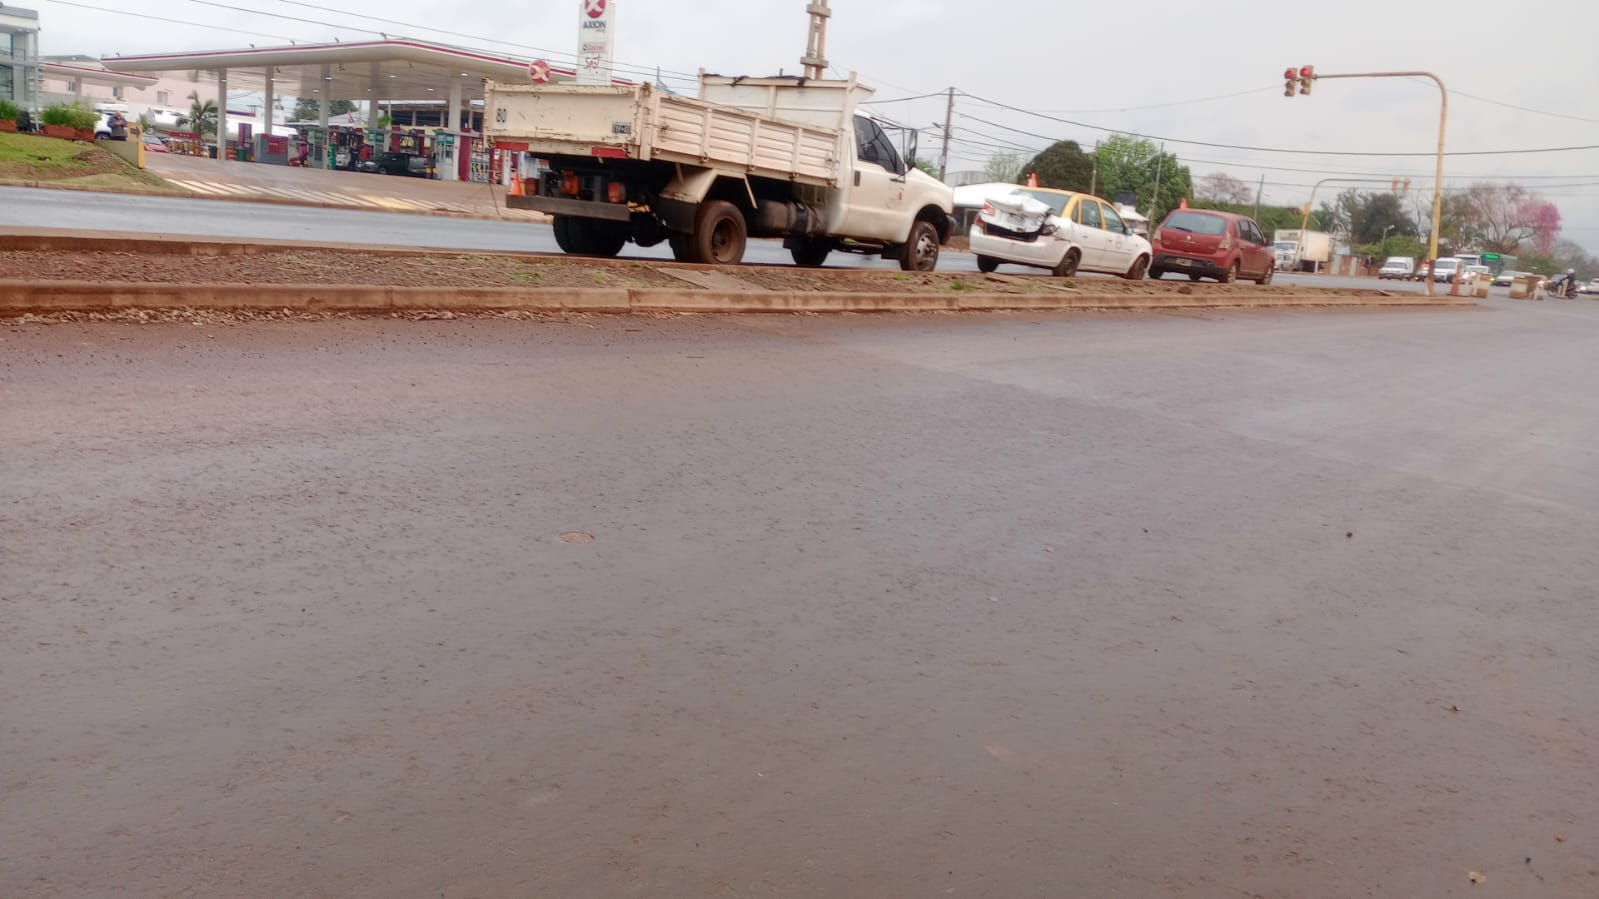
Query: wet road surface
column 82, row 210
column 1287, row 605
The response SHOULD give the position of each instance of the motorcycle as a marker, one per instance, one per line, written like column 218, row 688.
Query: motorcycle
column 1563, row 288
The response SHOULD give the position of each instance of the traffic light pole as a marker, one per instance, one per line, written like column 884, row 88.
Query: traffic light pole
column 1304, row 223
column 1438, row 182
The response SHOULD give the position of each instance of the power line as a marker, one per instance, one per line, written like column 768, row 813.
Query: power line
column 154, row 18
column 1201, row 143
column 894, row 100
column 1245, row 93
column 687, row 76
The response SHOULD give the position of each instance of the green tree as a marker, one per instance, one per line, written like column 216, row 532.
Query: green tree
column 927, row 167
column 1063, row 166
column 1135, row 165
column 1379, row 215
column 309, row 109
column 1003, row 168
column 202, row 116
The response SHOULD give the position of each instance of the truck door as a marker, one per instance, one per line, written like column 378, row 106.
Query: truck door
column 876, row 207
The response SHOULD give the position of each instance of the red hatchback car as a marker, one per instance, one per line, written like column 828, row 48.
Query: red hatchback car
column 1207, row 243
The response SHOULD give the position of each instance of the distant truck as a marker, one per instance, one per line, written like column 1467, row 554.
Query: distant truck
column 751, row 157
column 1399, row 268
column 1301, row 251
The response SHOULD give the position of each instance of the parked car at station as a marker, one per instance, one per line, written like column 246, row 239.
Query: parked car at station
column 1063, row 231
column 412, row 164
column 154, row 143
column 1504, row 278
column 1208, row 243
column 1398, row 268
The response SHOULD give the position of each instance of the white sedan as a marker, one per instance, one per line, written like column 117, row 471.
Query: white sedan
column 1063, row 231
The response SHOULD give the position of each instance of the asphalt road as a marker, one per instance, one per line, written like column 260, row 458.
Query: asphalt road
column 1288, row 605
column 43, row 208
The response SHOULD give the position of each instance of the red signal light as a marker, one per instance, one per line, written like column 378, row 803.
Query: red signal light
column 1307, row 72
column 1290, row 73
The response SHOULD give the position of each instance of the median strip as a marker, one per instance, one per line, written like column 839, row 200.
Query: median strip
column 21, row 297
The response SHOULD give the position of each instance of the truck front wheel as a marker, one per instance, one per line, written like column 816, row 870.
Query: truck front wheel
column 719, row 234
column 921, row 251
column 811, row 253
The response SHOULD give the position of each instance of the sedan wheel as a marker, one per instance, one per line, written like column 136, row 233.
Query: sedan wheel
column 1140, row 266
column 1068, row 265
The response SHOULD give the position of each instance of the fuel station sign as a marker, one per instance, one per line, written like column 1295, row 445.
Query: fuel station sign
column 595, row 30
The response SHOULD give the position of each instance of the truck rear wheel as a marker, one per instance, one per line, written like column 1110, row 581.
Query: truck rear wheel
column 588, row 237
column 719, row 234
column 566, row 236
column 921, row 251
column 603, row 238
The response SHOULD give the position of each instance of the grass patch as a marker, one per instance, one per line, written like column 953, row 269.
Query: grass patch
column 527, row 276
column 33, row 150
column 48, row 162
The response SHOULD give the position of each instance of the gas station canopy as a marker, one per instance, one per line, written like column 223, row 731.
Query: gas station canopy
column 88, row 75
column 386, row 70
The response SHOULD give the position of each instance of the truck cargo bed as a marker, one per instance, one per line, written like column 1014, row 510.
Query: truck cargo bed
column 643, row 123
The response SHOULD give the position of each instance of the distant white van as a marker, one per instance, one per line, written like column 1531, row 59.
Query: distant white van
column 1400, row 268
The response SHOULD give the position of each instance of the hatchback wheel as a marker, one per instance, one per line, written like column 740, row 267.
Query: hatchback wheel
column 1231, row 275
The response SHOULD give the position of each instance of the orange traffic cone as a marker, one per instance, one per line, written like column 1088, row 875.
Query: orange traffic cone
column 516, row 185
column 1182, row 203
column 1032, row 179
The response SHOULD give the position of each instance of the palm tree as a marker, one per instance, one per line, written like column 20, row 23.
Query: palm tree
column 202, row 115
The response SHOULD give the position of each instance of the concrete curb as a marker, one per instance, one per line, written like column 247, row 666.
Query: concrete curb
column 21, row 297
column 180, row 193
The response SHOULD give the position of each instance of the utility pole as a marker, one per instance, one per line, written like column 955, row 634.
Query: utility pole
column 1093, row 179
column 815, row 58
column 949, row 120
column 1258, row 191
column 1160, row 161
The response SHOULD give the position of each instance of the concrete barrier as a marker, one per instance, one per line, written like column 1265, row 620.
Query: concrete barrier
column 21, row 297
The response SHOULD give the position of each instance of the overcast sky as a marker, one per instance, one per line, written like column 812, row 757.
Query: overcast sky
column 1151, row 68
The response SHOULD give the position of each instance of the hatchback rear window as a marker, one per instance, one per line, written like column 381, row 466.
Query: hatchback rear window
column 1197, row 223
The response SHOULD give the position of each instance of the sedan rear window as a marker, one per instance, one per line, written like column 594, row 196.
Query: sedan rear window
column 1197, row 223
column 1056, row 202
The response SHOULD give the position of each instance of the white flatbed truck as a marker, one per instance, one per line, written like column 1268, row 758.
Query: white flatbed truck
column 782, row 157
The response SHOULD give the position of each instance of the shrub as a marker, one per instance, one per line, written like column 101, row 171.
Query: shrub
column 8, row 111
column 70, row 115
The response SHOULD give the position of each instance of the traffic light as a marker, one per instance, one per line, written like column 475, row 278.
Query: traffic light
column 1396, row 185
column 1290, row 81
column 1407, row 186
column 1306, row 76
